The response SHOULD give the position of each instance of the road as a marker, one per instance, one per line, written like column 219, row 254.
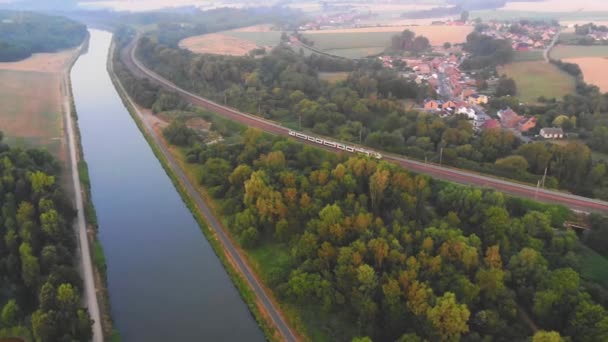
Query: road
column 231, row 250
column 548, row 49
column 437, row 171
column 86, row 264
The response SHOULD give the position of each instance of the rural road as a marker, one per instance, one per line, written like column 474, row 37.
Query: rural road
column 230, row 249
column 441, row 172
column 86, row 265
column 547, row 51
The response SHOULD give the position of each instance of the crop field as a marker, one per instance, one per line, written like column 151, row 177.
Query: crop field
column 30, row 109
column 31, row 101
column 576, row 51
column 219, row 44
column 565, row 18
column 333, row 77
column 537, row 78
column 595, row 70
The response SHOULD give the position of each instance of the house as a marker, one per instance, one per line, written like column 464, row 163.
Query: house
column 552, row 133
column 432, row 105
column 527, row 124
column 468, row 111
column 490, row 124
column 468, row 92
column 508, row 118
column 478, row 99
column 448, row 104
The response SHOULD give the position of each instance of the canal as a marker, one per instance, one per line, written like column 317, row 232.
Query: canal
column 165, row 282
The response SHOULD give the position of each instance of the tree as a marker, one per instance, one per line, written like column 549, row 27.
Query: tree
column 547, row 336
column 10, row 314
column 516, row 164
column 506, row 87
column 464, row 16
column 447, row 45
column 449, row 319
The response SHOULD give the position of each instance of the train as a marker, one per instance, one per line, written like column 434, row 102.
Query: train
column 336, row 145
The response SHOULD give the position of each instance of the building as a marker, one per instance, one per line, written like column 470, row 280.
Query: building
column 468, row 111
column 527, row 124
column 432, row 105
column 552, row 133
column 490, row 124
column 509, row 118
column 478, row 99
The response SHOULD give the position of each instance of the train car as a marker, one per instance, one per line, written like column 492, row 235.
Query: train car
column 336, row 145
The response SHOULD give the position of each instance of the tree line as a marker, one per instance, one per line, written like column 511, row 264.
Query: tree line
column 359, row 247
column 25, row 33
column 39, row 281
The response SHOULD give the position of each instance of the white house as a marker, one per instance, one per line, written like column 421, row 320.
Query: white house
column 468, row 111
column 552, row 133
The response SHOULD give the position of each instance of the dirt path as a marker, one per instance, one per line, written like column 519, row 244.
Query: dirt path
column 86, row 264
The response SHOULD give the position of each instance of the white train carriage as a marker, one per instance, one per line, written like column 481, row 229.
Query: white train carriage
column 336, row 145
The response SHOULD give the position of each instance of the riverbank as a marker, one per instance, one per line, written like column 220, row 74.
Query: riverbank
column 95, row 248
column 90, row 273
column 217, row 238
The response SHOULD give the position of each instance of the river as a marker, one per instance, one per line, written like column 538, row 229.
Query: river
column 165, row 282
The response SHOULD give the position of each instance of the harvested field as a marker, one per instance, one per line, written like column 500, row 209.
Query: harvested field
column 42, row 62
column 219, row 44
column 255, row 28
column 437, row 34
column 595, row 70
column 576, row 51
column 558, row 6
column 333, row 77
column 538, row 78
column 31, row 103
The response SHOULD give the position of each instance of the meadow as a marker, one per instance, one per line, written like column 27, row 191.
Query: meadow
column 576, row 51
column 538, row 78
column 525, row 56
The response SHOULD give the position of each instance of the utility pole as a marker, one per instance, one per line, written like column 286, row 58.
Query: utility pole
column 545, row 176
column 537, row 188
column 441, row 156
column 300, row 120
column 361, row 135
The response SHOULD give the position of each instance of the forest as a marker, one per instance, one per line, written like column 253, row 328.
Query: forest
column 39, row 280
column 25, row 33
column 359, row 248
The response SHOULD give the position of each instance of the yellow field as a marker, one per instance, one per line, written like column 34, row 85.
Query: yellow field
column 437, row 34
column 31, row 103
column 595, row 70
column 558, row 6
column 538, row 78
column 219, row 44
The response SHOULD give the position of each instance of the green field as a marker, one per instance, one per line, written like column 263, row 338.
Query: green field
column 575, row 51
column 351, row 40
column 537, row 78
column 525, row 56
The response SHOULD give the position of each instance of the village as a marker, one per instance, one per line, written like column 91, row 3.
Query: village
column 524, row 36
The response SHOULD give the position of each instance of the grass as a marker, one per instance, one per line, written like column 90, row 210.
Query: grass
column 98, row 257
column 333, row 77
column 586, row 16
column 351, row 40
column 594, row 267
column 537, row 78
column 575, row 51
column 526, row 56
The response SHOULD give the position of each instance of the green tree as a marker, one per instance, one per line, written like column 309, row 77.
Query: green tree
column 449, row 319
column 10, row 314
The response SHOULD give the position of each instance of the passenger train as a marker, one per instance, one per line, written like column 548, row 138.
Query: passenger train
column 336, row 145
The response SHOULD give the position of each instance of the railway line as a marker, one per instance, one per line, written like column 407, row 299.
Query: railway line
column 437, row 171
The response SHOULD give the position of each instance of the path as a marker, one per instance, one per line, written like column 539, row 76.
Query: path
column 214, row 224
column 546, row 53
column 86, row 264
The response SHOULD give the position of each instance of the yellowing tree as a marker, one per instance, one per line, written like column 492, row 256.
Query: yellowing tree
column 449, row 318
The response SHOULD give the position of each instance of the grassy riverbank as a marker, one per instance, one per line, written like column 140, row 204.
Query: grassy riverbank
column 237, row 278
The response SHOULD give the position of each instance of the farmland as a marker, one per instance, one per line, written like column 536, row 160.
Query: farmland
column 31, row 101
column 363, row 42
column 576, row 51
column 595, row 70
column 234, row 42
column 537, row 78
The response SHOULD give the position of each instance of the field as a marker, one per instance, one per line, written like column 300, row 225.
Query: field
column 595, row 70
column 362, row 42
column 333, row 77
column 31, row 101
column 525, row 56
column 576, row 51
column 537, row 78
column 234, row 42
